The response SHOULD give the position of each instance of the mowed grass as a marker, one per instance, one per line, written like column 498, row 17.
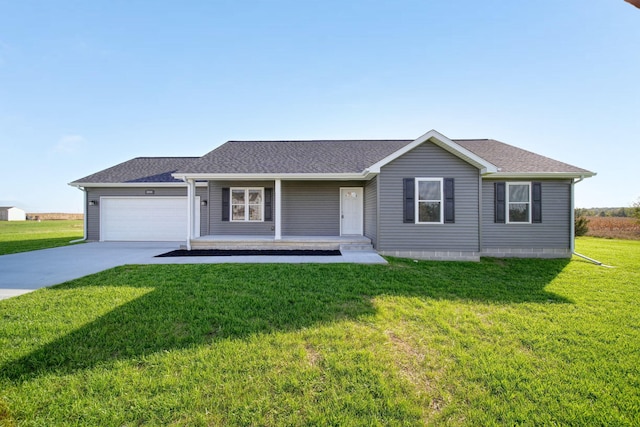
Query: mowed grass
column 23, row 236
column 500, row 342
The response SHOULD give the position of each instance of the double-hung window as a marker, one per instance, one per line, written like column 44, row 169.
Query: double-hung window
column 519, row 202
column 429, row 206
column 247, row 204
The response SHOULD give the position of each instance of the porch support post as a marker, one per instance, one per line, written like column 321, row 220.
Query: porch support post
column 277, row 200
column 191, row 200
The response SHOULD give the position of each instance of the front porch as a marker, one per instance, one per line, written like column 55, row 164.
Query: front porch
column 231, row 242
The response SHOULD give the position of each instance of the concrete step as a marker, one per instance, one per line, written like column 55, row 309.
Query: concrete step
column 356, row 247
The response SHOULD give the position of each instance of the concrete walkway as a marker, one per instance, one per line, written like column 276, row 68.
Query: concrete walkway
column 27, row 271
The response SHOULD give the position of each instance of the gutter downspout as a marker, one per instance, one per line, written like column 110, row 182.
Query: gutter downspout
column 480, row 182
column 84, row 216
column 572, row 222
column 573, row 227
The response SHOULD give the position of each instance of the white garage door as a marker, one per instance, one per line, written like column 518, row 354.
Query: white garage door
column 159, row 219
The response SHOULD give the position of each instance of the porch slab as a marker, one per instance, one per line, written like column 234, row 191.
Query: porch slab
column 232, row 242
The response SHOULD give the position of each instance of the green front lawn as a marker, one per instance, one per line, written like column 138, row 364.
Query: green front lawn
column 23, row 236
column 500, row 342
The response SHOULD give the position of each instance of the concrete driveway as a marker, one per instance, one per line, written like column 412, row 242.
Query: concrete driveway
column 27, row 271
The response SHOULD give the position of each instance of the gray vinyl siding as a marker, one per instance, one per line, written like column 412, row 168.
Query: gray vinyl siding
column 205, row 212
column 312, row 208
column 554, row 231
column 428, row 161
column 219, row 227
column 371, row 210
column 93, row 212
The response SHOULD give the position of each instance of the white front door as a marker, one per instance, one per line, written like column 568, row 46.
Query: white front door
column 351, row 206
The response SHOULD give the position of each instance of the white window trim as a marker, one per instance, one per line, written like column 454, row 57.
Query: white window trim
column 417, row 200
column 246, row 203
column 508, row 202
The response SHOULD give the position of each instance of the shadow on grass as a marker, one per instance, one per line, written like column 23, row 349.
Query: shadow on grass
column 17, row 246
column 192, row 305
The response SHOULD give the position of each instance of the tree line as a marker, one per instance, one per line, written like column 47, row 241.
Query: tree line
column 608, row 212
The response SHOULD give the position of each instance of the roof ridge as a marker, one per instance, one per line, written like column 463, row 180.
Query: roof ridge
column 165, row 157
column 320, row 140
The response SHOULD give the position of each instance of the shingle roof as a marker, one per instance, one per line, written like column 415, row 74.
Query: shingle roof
column 312, row 157
column 351, row 156
column 516, row 160
column 140, row 169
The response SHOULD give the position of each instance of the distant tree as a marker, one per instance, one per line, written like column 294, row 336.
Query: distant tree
column 581, row 225
column 636, row 209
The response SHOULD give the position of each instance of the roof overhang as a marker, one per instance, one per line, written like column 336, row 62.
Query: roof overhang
column 131, row 184
column 539, row 175
column 446, row 144
column 273, row 176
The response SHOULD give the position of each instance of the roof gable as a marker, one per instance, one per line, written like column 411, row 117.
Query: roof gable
column 443, row 142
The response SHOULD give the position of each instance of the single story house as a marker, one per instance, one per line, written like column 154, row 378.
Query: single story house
column 11, row 213
column 428, row 198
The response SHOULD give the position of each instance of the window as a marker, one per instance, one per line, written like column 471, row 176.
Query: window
column 518, row 202
column 429, row 200
column 247, row 204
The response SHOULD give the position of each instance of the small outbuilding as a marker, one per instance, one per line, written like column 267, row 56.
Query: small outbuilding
column 11, row 213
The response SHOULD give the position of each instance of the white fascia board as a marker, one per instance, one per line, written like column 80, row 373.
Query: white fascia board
column 273, row 176
column 443, row 142
column 132, row 184
column 538, row 175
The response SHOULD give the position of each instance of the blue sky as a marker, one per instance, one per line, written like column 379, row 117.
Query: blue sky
column 85, row 85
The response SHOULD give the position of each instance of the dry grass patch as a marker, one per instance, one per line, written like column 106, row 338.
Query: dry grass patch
column 614, row 227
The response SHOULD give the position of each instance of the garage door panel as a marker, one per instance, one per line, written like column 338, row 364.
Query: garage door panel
column 143, row 218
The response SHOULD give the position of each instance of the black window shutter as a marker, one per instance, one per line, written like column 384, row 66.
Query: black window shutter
column 449, row 205
column 268, row 197
column 536, row 206
column 226, row 195
column 408, row 194
column 500, row 206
